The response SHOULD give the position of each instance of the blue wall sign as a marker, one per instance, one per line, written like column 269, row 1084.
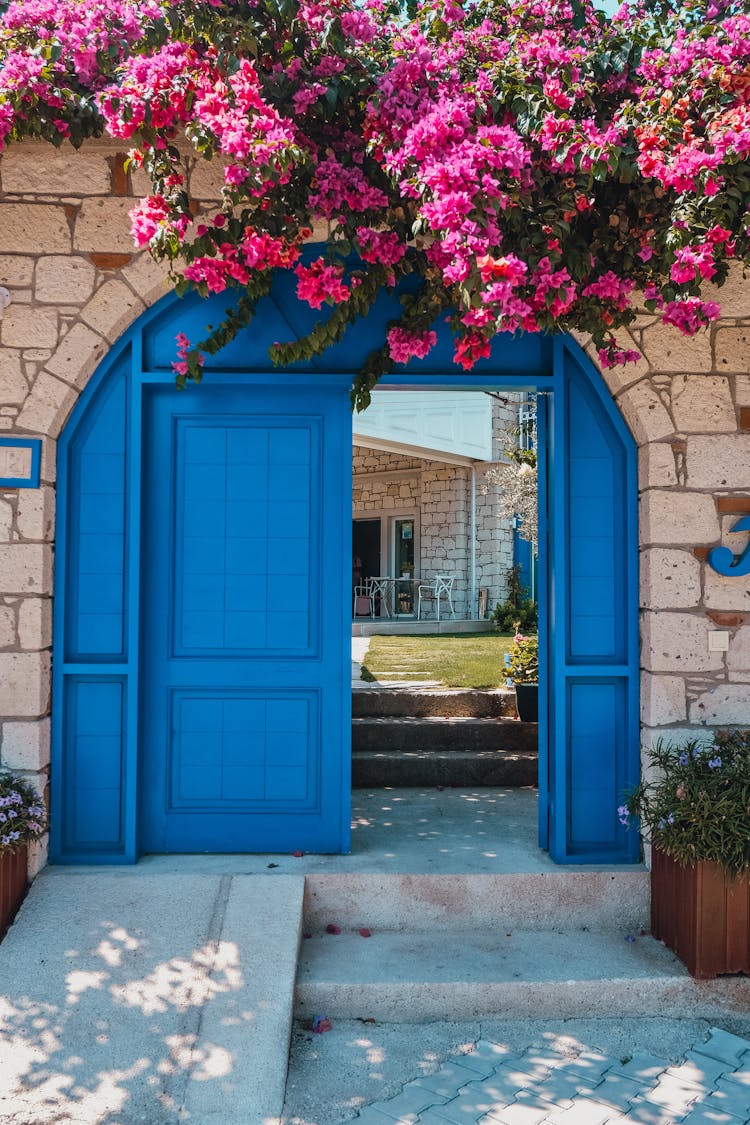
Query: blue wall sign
column 20, row 462
column 723, row 561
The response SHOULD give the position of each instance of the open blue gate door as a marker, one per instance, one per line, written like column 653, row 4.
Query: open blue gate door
column 593, row 617
column 243, row 717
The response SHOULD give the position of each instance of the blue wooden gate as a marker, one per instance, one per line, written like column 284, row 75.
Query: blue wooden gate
column 241, row 667
column 592, row 614
column 201, row 694
column 201, row 664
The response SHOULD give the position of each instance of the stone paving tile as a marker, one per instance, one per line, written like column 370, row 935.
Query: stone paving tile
column 647, row 1113
column 618, row 1091
column 449, row 1079
column 482, row 1067
column 524, row 1111
column 484, row 1051
column 699, row 1070
column 407, row 1105
column 371, row 1116
column 741, row 1077
column 642, row 1067
column 734, row 1098
column 562, row 1087
column 674, row 1093
column 704, row 1114
column 584, row 1111
column 504, row 1084
column 544, row 1086
column 467, row 1108
column 723, row 1045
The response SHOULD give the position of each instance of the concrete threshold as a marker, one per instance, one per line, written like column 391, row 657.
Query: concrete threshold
column 146, row 998
column 510, row 974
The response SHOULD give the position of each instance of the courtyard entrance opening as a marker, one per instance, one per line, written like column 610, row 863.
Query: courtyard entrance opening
column 202, row 690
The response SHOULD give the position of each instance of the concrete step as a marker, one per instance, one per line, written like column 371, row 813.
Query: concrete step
column 457, row 734
column 414, row 703
column 400, row 769
column 440, row 903
column 513, row 974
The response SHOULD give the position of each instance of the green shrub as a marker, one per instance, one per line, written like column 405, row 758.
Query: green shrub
column 695, row 803
column 517, row 611
column 522, row 662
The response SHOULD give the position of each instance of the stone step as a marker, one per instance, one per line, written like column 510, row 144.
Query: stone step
column 373, row 702
column 512, row 974
column 460, row 903
column 377, row 769
column 457, row 734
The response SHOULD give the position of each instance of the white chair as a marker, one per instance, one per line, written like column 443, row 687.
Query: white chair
column 380, row 588
column 440, row 586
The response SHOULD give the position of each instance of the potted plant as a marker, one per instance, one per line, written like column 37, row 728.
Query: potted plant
column 23, row 819
column 694, row 807
column 522, row 668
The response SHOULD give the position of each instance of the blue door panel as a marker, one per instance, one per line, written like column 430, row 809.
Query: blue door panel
column 94, row 727
column 593, row 617
column 95, row 598
column 243, row 675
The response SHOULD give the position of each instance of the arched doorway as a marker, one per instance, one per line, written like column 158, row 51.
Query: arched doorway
column 201, row 667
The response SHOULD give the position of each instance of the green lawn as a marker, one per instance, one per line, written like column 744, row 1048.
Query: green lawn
column 459, row 660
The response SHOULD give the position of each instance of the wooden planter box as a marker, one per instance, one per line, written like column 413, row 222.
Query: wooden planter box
column 14, row 884
column 701, row 914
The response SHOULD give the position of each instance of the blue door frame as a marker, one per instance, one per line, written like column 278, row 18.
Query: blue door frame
column 589, row 734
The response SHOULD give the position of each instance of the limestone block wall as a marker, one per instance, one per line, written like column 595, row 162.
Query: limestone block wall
column 76, row 285
column 440, row 497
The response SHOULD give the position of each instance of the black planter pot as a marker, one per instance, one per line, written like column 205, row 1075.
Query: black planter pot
column 527, row 702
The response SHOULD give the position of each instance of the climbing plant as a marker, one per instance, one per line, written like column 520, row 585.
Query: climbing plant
column 527, row 165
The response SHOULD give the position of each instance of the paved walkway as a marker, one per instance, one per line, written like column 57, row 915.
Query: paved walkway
column 491, row 1085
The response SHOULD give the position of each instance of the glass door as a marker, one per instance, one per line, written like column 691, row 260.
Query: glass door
column 403, row 569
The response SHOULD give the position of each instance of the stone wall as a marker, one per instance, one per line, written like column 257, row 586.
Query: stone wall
column 440, row 497
column 76, row 285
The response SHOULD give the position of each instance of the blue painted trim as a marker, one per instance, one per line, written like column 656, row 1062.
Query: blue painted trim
column 32, row 480
column 132, row 629
column 542, row 427
column 557, row 581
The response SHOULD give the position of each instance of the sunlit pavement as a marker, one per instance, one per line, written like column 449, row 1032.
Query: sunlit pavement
column 578, row 1072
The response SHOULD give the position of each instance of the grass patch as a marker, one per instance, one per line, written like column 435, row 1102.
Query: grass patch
column 456, row 660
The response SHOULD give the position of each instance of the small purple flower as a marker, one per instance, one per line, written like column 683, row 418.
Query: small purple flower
column 14, row 835
column 714, row 763
column 670, row 818
column 662, row 823
column 34, row 825
column 15, row 798
column 683, row 759
column 623, row 815
column 5, row 839
column 12, row 813
column 36, row 810
column 3, row 818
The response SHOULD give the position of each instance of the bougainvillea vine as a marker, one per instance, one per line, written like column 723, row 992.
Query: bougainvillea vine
column 531, row 165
